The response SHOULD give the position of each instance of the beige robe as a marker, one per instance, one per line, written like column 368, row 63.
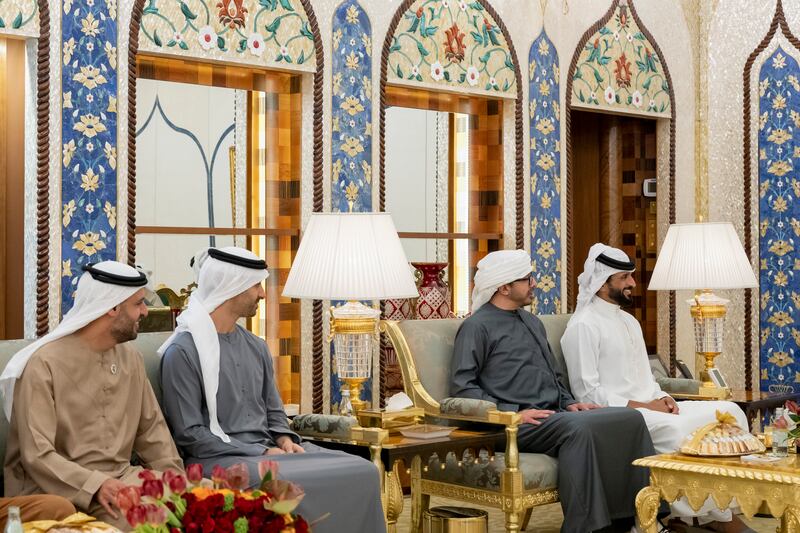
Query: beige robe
column 78, row 417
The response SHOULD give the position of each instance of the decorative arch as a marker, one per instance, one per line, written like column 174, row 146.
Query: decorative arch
column 603, row 35
column 351, row 109
column 544, row 99
column 317, row 155
column 778, row 154
column 266, row 33
column 20, row 18
column 489, row 39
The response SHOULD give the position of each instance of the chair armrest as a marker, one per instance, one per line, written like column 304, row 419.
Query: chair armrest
column 679, row 385
column 317, row 425
column 466, row 407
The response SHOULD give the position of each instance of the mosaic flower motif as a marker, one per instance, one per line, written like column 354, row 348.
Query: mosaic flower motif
column 90, row 181
column 68, row 48
column 90, row 26
column 66, row 268
column 111, row 5
column 609, row 95
column 545, row 162
column 352, row 146
column 473, row 75
column 111, row 155
column 780, row 168
column 352, row 15
column 255, row 43
column 781, row 319
column 781, row 248
column 68, row 151
column 352, row 105
column 232, row 13
column 207, row 37
column 546, row 249
column 636, row 99
column 437, row 71
column 781, row 359
column 67, row 211
column 780, row 280
column 545, row 126
column 779, row 61
column 454, row 47
column 622, row 71
column 67, row 100
column 545, row 284
column 352, row 61
column 111, row 214
column 89, row 125
column 89, row 243
column 90, row 77
column 111, row 54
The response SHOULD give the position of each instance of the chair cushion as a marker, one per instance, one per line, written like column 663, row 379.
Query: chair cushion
column 334, row 426
column 539, row 471
column 465, row 407
column 431, row 346
column 555, row 325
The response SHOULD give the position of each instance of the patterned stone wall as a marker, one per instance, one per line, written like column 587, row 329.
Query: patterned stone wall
column 619, row 70
column 545, row 163
column 89, row 139
column 273, row 33
column 19, row 18
column 779, row 221
column 451, row 44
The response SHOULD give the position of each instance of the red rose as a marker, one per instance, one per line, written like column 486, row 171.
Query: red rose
column 194, row 473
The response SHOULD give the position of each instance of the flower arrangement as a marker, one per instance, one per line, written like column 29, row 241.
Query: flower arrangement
column 190, row 504
column 792, row 418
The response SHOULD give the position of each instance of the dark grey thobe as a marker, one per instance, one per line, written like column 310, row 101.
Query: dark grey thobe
column 251, row 412
column 503, row 357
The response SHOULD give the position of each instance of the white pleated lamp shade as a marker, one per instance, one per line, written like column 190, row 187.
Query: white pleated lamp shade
column 350, row 256
column 702, row 256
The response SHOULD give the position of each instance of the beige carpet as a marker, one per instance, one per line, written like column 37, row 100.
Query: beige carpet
column 545, row 519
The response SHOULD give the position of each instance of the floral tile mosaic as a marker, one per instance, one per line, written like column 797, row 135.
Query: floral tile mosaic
column 351, row 130
column 19, row 18
column 272, row 33
column 89, row 137
column 779, row 221
column 454, row 43
column 545, row 154
column 619, row 70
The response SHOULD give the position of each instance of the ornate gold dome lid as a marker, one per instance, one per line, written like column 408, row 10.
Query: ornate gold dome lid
column 721, row 438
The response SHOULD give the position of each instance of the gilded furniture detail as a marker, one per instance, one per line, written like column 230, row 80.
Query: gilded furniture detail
column 393, row 496
column 452, row 44
column 268, row 33
column 620, row 69
column 674, row 476
column 545, row 163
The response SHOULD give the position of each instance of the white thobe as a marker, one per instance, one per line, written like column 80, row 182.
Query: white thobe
column 608, row 365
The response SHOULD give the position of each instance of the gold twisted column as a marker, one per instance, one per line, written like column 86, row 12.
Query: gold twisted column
column 647, row 503
column 393, row 497
column 512, row 479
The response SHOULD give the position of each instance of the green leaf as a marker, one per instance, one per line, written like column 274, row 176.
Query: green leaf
column 414, row 25
column 493, row 38
column 605, row 31
column 430, row 31
column 419, row 77
column 302, row 58
column 646, row 84
column 664, row 86
column 642, row 66
column 17, row 23
column 639, row 35
column 221, row 43
column 242, row 45
column 476, row 6
column 2, row 23
column 484, row 58
column 183, row 45
column 509, row 63
column 598, row 76
column 171, row 43
column 156, row 38
column 399, row 72
column 604, row 60
column 306, row 31
column 446, row 75
column 272, row 28
column 187, row 12
column 506, row 85
column 462, row 77
column 395, row 45
column 616, row 98
column 151, row 8
column 287, row 5
column 422, row 49
column 477, row 37
column 578, row 75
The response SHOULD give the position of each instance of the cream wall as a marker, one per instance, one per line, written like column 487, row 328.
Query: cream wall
column 731, row 41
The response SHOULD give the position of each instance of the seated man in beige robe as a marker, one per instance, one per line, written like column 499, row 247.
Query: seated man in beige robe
column 82, row 404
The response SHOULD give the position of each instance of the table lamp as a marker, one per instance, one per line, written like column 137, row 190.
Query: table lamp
column 351, row 257
column 703, row 257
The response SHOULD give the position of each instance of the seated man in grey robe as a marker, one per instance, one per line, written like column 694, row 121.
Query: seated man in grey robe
column 223, row 407
column 501, row 355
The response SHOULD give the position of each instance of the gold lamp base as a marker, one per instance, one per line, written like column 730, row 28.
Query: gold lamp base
column 711, row 377
column 355, row 385
column 719, row 393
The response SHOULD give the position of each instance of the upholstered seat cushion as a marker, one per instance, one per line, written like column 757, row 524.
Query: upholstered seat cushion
column 466, row 407
column 333, row 426
column 539, row 471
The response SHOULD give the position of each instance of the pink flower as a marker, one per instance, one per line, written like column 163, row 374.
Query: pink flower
column 238, row 478
column 175, row 481
column 153, row 488
column 147, row 474
column 128, row 498
column 194, row 473
column 286, row 496
column 136, row 515
column 219, row 476
column 268, row 468
column 155, row 514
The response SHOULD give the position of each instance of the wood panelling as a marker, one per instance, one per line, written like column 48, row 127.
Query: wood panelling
column 613, row 155
column 12, row 187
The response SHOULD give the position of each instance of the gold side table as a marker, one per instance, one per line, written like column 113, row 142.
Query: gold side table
column 774, row 487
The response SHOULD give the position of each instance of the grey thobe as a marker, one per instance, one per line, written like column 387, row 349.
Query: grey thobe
column 503, row 357
column 251, row 414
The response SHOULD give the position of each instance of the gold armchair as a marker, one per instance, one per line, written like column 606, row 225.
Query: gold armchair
column 512, row 482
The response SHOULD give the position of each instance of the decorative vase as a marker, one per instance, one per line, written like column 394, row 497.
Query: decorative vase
column 434, row 293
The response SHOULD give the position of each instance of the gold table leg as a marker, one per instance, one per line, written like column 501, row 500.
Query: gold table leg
column 419, row 502
column 393, row 493
column 647, row 503
column 790, row 521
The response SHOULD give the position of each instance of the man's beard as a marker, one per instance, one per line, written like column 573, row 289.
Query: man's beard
column 125, row 330
column 619, row 297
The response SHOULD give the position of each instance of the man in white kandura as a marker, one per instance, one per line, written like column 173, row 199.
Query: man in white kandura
column 608, row 365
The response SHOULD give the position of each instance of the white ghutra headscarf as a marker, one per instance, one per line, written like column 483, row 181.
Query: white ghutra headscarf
column 223, row 274
column 102, row 287
column 496, row 269
column 602, row 262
